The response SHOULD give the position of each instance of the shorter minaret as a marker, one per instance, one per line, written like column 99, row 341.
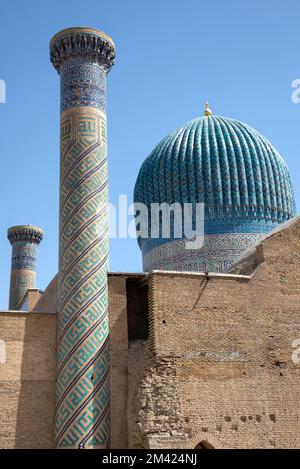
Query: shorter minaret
column 24, row 240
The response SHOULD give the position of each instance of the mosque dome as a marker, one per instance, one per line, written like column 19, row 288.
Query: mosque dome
column 234, row 171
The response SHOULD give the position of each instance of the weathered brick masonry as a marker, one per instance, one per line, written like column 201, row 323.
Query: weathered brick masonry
column 221, row 346
column 195, row 358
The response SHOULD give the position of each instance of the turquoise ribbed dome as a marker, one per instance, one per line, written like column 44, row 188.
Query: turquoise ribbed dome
column 224, row 163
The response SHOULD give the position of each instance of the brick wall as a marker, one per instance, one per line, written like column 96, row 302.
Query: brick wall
column 216, row 367
column 228, row 341
column 118, row 358
column 27, row 380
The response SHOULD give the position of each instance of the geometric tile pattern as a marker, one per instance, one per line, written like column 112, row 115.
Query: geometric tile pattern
column 82, row 85
column 218, row 253
column 83, row 56
column 24, row 240
column 82, row 388
column 242, row 181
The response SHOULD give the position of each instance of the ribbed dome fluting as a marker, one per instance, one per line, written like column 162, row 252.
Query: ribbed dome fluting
column 242, row 180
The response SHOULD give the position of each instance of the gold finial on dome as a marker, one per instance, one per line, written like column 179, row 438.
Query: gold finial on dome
column 207, row 112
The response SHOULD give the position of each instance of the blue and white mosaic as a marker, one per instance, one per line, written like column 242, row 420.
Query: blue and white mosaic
column 24, row 255
column 218, row 254
column 82, row 84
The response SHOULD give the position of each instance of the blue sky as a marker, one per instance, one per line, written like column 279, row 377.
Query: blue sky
column 172, row 56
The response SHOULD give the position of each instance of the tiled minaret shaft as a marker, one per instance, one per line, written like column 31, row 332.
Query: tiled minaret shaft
column 24, row 240
column 82, row 57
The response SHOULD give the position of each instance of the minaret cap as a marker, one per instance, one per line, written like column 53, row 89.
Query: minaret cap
column 29, row 233
column 207, row 112
column 83, row 42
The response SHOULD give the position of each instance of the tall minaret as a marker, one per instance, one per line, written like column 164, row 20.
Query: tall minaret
column 82, row 57
column 24, row 240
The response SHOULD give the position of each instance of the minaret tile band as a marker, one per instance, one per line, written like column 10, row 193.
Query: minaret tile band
column 82, row 57
column 24, row 240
